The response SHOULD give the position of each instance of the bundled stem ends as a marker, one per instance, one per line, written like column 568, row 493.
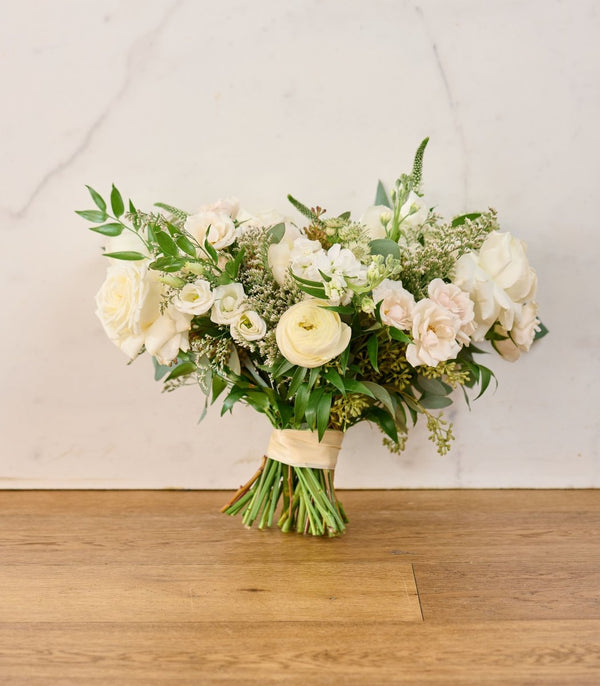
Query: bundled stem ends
column 298, row 499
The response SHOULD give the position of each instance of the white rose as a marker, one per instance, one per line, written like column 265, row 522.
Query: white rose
column 413, row 212
column 264, row 218
column 521, row 336
column 458, row 302
column 128, row 303
column 504, row 258
column 434, row 332
column 216, row 227
column 376, row 218
column 279, row 254
column 168, row 335
column 194, row 298
column 249, row 326
column 228, row 206
column 397, row 304
column 309, row 335
column 229, row 303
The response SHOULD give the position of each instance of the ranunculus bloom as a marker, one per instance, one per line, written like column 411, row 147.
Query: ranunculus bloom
column 194, row 298
column 309, row 335
column 229, row 302
column 519, row 339
column 434, row 332
column 456, row 301
column 375, row 218
column 249, row 326
column 498, row 279
column 128, row 303
column 216, row 227
column 396, row 304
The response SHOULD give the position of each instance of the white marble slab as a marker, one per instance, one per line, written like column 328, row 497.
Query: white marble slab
column 186, row 101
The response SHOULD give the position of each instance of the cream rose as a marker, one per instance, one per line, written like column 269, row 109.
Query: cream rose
column 519, row 339
column 168, row 335
column 216, row 227
column 128, row 303
column 458, row 302
column 229, row 303
column 434, row 332
column 248, row 326
column 413, row 212
column 397, row 304
column 498, row 279
column 376, row 218
column 309, row 335
column 194, row 298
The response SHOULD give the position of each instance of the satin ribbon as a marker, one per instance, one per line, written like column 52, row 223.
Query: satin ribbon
column 303, row 448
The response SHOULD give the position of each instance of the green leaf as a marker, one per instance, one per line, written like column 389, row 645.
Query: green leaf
column 297, row 378
column 276, row 233
column 235, row 395
column 186, row 245
column 345, row 216
column 175, row 211
column 112, row 229
column 398, row 335
column 97, row 198
column 381, row 197
column 311, row 408
column 434, row 402
column 383, row 421
column 181, row 370
column 323, row 412
column 217, row 387
column 459, row 221
column 417, row 170
column 126, row 255
column 313, row 376
column 210, row 251
column 132, row 208
column 303, row 209
column 259, row 401
column 343, row 360
column 301, row 401
column 541, row 333
column 315, row 292
column 332, row 375
column 382, row 395
column 433, row 386
column 116, row 202
column 159, row 369
column 167, row 264
column 373, row 349
column 340, row 309
column 354, row 386
column 96, row 216
column 281, row 367
column 166, row 243
column 486, row 376
column 385, row 247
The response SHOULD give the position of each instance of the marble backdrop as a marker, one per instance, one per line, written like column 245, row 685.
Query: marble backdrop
column 187, row 101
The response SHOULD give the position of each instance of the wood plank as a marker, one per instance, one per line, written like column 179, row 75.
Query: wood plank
column 355, row 654
column 308, row 592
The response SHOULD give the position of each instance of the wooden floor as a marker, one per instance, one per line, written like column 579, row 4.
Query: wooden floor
column 426, row 587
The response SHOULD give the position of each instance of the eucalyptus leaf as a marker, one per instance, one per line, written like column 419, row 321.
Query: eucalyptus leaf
column 433, row 386
column 382, row 395
column 385, row 247
column 276, row 233
column 434, row 402
column 381, row 197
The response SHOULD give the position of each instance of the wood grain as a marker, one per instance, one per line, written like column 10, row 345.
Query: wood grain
column 159, row 588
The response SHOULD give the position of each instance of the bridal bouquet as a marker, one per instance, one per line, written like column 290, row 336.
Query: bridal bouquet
column 318, row 323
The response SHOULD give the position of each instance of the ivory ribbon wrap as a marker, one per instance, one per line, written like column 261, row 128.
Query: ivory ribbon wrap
column 303, row 448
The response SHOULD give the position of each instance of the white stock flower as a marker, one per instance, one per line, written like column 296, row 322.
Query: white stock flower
column 128, row 303
column 342, row 270
column 519, row 339
column 302, row 258
column 376, row 218
column 249, row 326
column 458, row 302
column 498, row 279
column 194, row 298
column 279, row 254
column 308, row 335
column 168, row 335
column 397, row 304
column 229, row 303
column 434, row 330
column 216, row 227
